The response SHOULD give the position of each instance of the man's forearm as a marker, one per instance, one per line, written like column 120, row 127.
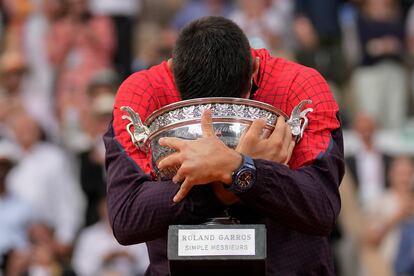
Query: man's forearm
column 141, row 209
column 306, row 199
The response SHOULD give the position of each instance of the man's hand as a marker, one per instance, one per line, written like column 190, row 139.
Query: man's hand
column 201, row 161
column 278, row 147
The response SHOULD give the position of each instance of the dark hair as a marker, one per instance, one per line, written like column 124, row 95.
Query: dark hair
column 212, row 58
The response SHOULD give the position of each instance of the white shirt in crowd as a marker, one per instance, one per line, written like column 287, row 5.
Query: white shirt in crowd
column 96, row 242
column 115, row 7
column 45, row 179
column 15, row 217
column 276, row 20
column 37, row 86
column 370, row 169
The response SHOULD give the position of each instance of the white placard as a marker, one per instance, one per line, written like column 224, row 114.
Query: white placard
column 216, row 242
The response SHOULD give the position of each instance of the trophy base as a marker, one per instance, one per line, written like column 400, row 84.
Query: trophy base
column 221, row 248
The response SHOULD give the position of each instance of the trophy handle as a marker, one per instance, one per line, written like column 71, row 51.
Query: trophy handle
column 298, row 120
column 140, row 133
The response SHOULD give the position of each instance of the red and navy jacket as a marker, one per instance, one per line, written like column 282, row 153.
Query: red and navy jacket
column 298, row 204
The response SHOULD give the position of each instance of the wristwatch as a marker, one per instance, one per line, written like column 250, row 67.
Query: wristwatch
column 244, row 177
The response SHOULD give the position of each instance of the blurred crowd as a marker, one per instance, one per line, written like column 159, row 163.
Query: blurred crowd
column 61, row 62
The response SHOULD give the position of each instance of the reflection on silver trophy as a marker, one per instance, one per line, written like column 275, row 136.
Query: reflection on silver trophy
column 231, row 117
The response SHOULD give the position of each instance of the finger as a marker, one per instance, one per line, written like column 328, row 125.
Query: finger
column 280, row 126
column 183, row 191
column 279, row 131
column 172, row 142
column 290, row 151
column 288, row 137
column 255, row 129
column 207, row 124
column 178, row 177
column 172, row 160
column 244, row 133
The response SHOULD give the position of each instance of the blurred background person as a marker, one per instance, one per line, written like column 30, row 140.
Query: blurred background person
column 41, row 257
column 39, row 81
column 45, row 179
column 15, row 214
column 101, row 92
column 386, row 216
column 260, row 22
column 199, row 8
column 79, row 45
column 379, row 83
column 318, row 34
column 368, row 165
column 98, row 253
column 1, row 20
column 124, row 14
column 190, row 10
column 404, row 261
column 15, row 14
column 409, row 42
column 12, row 70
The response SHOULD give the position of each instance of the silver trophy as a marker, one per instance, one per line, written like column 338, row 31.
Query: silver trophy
column 230, row 116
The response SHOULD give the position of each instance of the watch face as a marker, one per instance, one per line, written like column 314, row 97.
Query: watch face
column 245, row 179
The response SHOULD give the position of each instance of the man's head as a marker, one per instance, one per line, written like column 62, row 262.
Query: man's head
column 401, row 174
column 12, row 69
column 212, row 58
column 26, row 130
column 365, row 126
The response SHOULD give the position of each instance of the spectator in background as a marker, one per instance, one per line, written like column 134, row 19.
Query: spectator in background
column 150, row 48
column 12, row 70
column 319, row 39
column 410, row 45
column 16, row 12
column 41, row 258
column 261, row 24
column 102, row 90
column 44, row 179
column 98, row 253
column 404, row 262
column 198, row 8
column 1, row 23
column 191, row 10
column 285, row 10
column 368, row 165
column 38, row 89
column 379, row 82
column 124, row 14
column 15, row 214
column 386, row 215
column 79, row 45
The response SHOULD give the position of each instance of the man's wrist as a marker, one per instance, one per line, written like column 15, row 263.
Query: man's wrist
column 235, row 160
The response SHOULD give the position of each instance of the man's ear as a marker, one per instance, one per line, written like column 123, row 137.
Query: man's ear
column 170, row 63
column 256, row 65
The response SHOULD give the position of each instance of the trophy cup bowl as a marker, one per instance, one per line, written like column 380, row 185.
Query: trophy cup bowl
column 230, row 118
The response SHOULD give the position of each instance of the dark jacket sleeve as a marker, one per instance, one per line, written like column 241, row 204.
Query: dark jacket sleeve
column 306, row 199
column 141, row 209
